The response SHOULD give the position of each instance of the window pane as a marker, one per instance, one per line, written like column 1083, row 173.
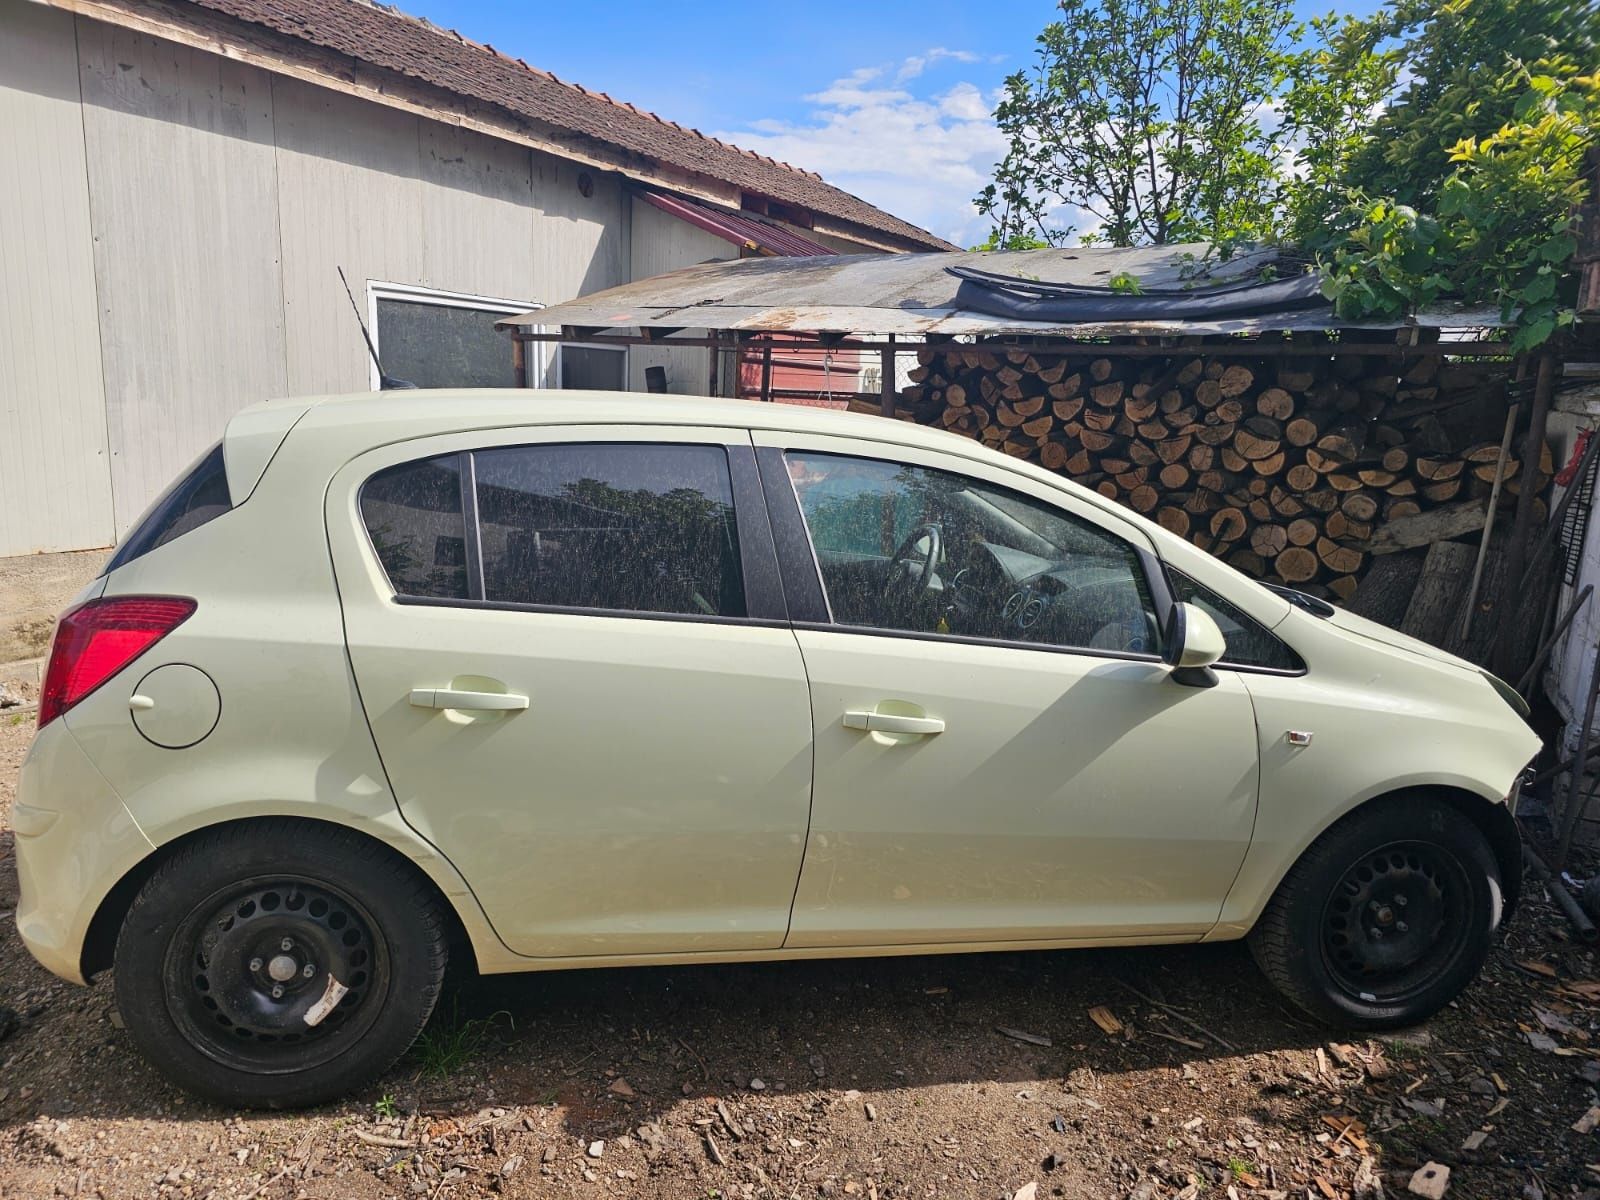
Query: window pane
column 1249, row 643
column 189, row 502
column 639, row 528
column 413, row 516
column 438, row 345
column 588, row 368
column 903, row 547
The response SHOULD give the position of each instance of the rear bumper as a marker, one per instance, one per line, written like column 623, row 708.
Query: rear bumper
column 75, row 839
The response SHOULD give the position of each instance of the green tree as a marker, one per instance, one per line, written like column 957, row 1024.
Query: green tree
column 1147, row 116
column 1014, row 241
column 1440, row 150
column 1467, row 65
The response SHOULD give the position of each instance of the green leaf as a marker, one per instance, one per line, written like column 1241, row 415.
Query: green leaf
column 1559, row 248
column 1543, row 287
column 1529, row 336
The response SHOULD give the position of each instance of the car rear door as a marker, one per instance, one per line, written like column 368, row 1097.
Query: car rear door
column 987, row 772
column 571, row 650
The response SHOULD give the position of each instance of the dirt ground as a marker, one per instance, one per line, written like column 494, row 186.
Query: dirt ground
column 875, row 1078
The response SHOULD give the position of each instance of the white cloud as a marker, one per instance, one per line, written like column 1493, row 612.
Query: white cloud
column 964, row 102
column 918, row 63
column 920, row 157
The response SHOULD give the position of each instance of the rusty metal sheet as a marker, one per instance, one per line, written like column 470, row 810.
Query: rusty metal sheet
column 912, row 294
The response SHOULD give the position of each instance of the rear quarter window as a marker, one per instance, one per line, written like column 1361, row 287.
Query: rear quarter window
column 413, row 516
column 197, row 496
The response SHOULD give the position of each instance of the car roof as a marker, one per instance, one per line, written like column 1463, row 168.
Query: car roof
column 442, row 410
column 365, row 420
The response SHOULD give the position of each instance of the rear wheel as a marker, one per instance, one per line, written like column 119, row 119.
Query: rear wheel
column 1385, row 918
column 279, row 964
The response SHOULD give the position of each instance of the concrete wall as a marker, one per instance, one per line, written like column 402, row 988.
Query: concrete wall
column 172, row 224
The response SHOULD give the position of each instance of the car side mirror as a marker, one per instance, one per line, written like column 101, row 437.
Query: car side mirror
column 1193, row 644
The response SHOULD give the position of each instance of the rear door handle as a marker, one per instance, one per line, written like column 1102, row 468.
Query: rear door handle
column 479, row 701
column 877, row 722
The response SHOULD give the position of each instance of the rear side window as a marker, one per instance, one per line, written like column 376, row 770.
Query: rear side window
column 413, row 516
column 195, row 497
column 1249, row 643
column 626, row 527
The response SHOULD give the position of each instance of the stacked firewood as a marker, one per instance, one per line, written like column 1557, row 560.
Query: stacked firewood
column 1284, row 468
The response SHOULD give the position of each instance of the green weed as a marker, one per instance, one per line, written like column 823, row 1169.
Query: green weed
column 449, row 1043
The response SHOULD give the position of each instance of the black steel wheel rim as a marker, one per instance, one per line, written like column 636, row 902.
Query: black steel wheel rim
column 1397, row 920
column 276, row 974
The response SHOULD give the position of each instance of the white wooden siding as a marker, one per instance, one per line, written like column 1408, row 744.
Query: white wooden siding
column 349, row 195
column 55, row 485
column 181, row 180
column 172, row 224
column 662, row 243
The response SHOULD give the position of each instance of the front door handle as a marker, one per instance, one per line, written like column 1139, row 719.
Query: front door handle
column 477, row 701
column 877, row 722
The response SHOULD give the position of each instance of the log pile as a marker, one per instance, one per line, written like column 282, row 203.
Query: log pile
column 1285, row 468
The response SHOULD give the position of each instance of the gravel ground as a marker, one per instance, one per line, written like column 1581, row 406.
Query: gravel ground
column 873, row 1078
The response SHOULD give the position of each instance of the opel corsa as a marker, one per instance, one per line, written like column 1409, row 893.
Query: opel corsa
column 555, row 680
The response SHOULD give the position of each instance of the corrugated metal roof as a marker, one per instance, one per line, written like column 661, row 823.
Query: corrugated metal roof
column 913, row 294
column 745, row 232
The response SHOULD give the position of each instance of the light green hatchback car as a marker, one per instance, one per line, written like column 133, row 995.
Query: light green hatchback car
column 556, row 680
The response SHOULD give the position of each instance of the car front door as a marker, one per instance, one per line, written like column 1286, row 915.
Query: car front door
column 570, row 647
column 1001, row 756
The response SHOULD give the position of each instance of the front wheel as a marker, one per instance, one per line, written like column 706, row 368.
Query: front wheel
column 278, row 964
column 1385, row 918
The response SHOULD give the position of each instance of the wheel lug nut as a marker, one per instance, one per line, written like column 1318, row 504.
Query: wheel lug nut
column 277, row 991
column 255, row 964
column 308, row 970
column 1401, row 901
column 286, row 944
column 1402, row 927
column 1376, row 935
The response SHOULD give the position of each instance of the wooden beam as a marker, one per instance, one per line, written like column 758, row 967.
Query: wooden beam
column 886, row 384
column 1425, row 528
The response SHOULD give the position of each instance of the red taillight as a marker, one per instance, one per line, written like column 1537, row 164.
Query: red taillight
column 96, row 640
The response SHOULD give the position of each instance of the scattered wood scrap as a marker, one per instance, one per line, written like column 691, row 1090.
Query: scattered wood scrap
column 1107, row 1020
column 1022, row 1035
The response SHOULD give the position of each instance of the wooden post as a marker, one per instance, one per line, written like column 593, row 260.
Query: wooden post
column 886, row 384
column 711, row 367
column 1522, row 523
column 1488, row 520
column 519, row 361
column 766, row 371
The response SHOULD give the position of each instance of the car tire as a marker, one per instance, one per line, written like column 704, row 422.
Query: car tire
column 278, row 963
column 1385, row 918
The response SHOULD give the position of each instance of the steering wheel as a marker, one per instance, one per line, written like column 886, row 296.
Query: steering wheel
column 901, row 569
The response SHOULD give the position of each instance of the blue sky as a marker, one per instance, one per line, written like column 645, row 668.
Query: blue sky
column 888, row 99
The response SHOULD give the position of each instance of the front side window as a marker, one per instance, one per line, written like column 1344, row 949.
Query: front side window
column 635, row 528
column 1249, row 642
column 926, row 551
column 413, row 516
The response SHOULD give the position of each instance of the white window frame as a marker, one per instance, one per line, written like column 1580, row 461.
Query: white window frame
column 411, row 293
column 627, row 360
